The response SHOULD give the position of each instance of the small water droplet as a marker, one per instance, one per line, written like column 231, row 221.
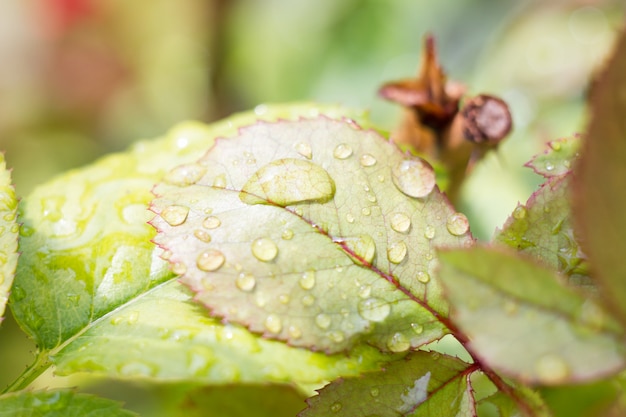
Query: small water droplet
column 429, row 232
column 167, row 254
column 211, row 222
column 210, row 260
column 374, row 392
column 308, row 300
column 202, row 235
column 349, row 218
column 179, row 268
column 555, row 145
column 374, row 309
column 381, row 178
column 342, row 151
column 273, row 324
column 336, row 336
column 18, row 293
column 413, row 177
column 116, row 320
column 552, row 369
column 398, row 343
column 363, row 247
column 264, row 249
column 323, row 321
column 304, row 149
column 396, row 252
column 400, row 222
column 294, row 332
column 520, row 212
column 417, row 328
column 287, row 234
column 26, row 231
column 366, row 211
column 336, row 407
column 423, row 277
column 371, row 198
column 365, row 291
column 185, row 175
column 457, row 224
column 307, row 280
column 175, row 215
column 283, row 298
column 567, row 163
column 133, row 317
column 428, row 256
column 367, row 160
column 245, row 281
column 219, row 181
column 549, row 166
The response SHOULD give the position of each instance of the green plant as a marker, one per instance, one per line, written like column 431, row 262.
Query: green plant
column 310, row 249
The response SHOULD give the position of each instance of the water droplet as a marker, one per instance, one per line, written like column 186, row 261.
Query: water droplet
column 381, row 178
column 365, row 291
column 552, row 369
column 423, row 277
column 371, row 198
column 549, row 166
column 398, row 343
column 211, row 222
column 245, row 281
column 210, row 260
column 323, row 321
column 349, row 218
column 287, row 234
column 273, row 324
column 413, row 177
column 428, row 256
column 264, row 249
column 396, row 252
column 362, row 247
column 374, row 392
column 219, row 181
column 18, row 293
column 304, row 149
column 294, row 332
column 457, row 224
column 417, row 328
column 116, row 320
column 367, row 160
column 342, row 151
column 283, row 298
column 26, row 231
column 555, row 145
column 288, row 181
column 429, row 232
column 167, row 254
column 336, row 336
column 366, row 211
column 567, row 163
column 400, row 222
column 202, row 235
column 185, row 175
column 136, row 368
column 308, row 300
column 175, row 215
column 133, row 317
column 520, row 212
column 179, row 268
column 307, row 280
column 336, row 407
column 374, row 309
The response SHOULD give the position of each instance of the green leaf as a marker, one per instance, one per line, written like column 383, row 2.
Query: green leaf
column 502, row 405
column 600, row 202
column 8, row 234
column 558, row 159
column 423, row 384
column 93, row 292
column 521, row 321
column 315, row 232
column 59, row 403
column 543, row 228
column 586, row 400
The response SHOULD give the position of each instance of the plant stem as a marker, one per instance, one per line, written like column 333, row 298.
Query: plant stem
column 31, row 373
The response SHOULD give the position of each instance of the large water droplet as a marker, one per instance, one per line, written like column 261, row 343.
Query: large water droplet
column 457, row 224
column 175, row 215
column 210, row 260
column 374, row 309
column 398, row 343
column 245, row 281
column 400, row 222
column 185, row 175
column 307, row 280
column 304, row 149
column 552, row 369
column 264, row 249
column 413, row 177
column 273, row 324
column 367, row 160
column 361, row 248
column 211, row 222
column 396, row 252
column 323, row 321
column 288, row 181
column 342, row 151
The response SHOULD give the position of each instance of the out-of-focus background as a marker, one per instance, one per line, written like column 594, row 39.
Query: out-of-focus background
column 81, row 78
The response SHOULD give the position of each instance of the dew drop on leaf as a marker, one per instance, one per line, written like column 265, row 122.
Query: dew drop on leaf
column 294, row 332
column 371, row 198
column 336, row 336
column 417, row 328
column 175, row 215
column 264, row 249
column 520, row 212
column 400, row 222
column 323, row 321
column 367, row 160
column 273, row 324
column 365, row 291
column 429, row 232
column 304, row 149
column 423, row 277
column 211, row 222
column 308, row 300
column 342, row 151
column 374, row 309
column 288, row 181
column 549, row 166
column 184, row 175
column 336, row 407
column 398, row 343
column 245, row 281
column 219, row 181
column 307, row 280
column 413, row 177
column 283, row 298
column 457, row 224
column 366, row 211
column 210, row 260
column 363, row 247
column 349, row 218
column 287, row 234
column 179, row 268
column 551, row 369
column 396, row 252
column 374, row 392
column 202, row 235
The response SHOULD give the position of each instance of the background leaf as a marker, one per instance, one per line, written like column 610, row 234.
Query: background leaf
column 8, row 235
column 59, row 403
column 558, row 159
column 522, row 322
column 424, row 384
column 316, row 232
column 600, row 204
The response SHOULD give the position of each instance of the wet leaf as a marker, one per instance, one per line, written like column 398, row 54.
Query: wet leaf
column 521, row 321
column 600, row 202
column 66, row 403
column 423, row 384
column 543, row 228
column 8, row 235
column 93, row 292
column 558, row 159
column 502, row 405
column 316, row 232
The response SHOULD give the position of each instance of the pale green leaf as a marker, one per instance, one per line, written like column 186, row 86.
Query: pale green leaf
column 521, row 321
column 423, row 384
column 526, row 403
column 59, row 403
column 8, row 234
column 316, row 232
column 558, row 159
